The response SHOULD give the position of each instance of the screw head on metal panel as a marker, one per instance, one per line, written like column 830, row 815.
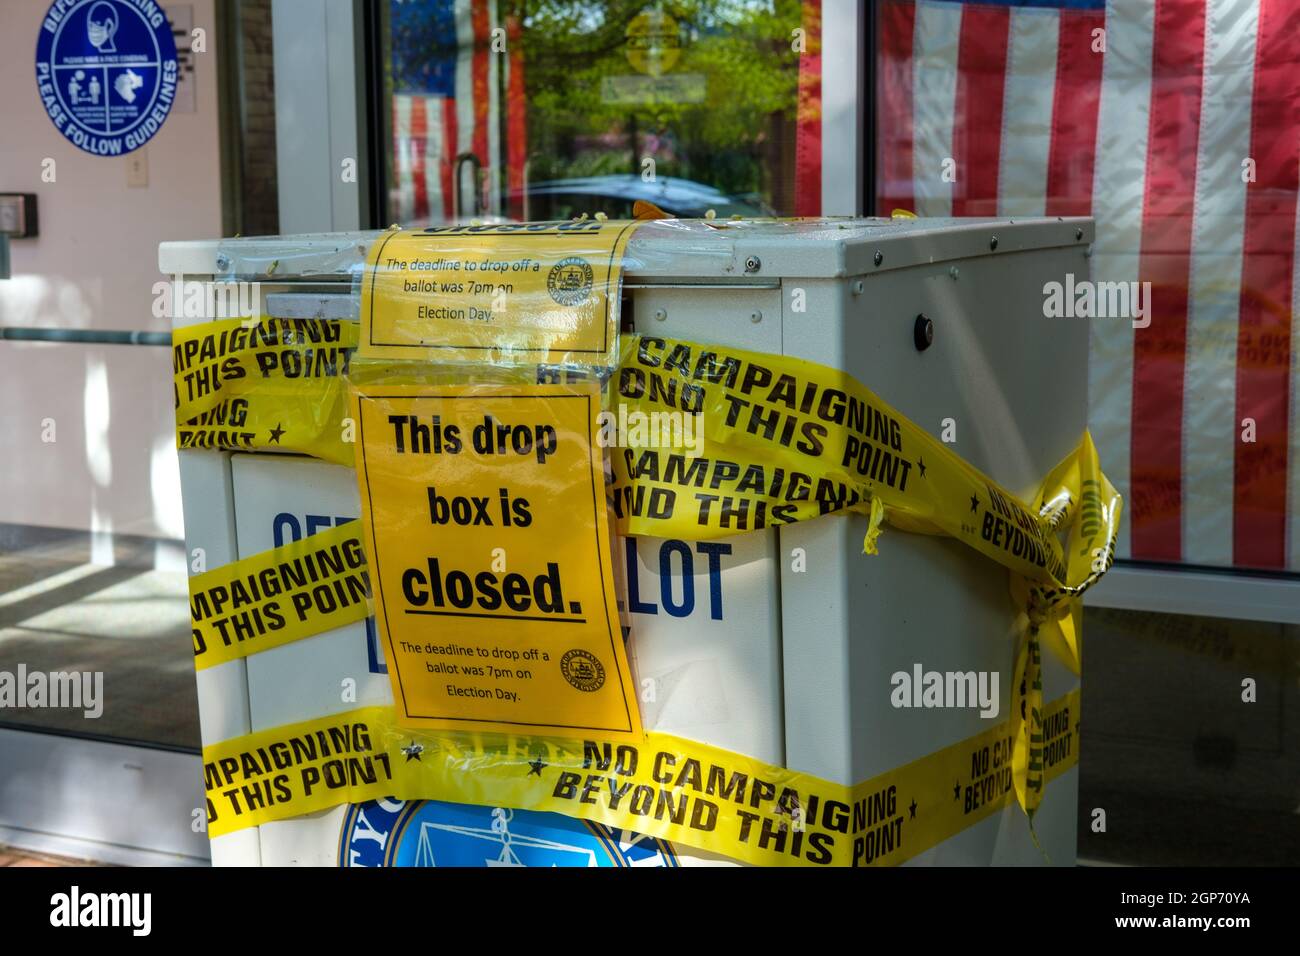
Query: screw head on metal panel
column 879, row 257
column 859, row 287
column 1078, row 233
column 923, row 332
column 954, row 272
column 660, row 315
column 993, row 243
column 756, row 316
column 223, row 263
column 753, row 264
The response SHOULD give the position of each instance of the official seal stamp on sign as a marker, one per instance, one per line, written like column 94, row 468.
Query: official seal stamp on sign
column 569, row 281
column 583, row 670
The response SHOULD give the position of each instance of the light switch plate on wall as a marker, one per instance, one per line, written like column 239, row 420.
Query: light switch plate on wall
column 137, row 170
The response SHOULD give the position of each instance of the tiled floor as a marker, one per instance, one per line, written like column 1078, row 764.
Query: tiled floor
column 60, row 612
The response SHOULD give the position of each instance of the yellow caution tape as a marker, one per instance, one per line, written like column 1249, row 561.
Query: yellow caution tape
column 785, row 440
column 306, row 587
column 273, row 385
column 831, row 445
column 663, row 786
column 1077, row 496
column 1027, row 711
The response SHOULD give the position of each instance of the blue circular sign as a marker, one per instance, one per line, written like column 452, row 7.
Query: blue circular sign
column 106, row 71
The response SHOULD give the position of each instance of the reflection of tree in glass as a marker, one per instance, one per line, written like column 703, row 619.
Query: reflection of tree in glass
column 740, row 139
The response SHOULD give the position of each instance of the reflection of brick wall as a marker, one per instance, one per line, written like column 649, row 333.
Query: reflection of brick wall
column 260, row 200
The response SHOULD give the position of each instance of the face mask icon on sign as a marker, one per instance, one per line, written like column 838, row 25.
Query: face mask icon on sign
column 101, row 25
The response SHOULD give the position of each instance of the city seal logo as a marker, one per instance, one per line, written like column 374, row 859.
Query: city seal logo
column 583, row 670
column 433, row 833
column 569, row 281
column 106, row 71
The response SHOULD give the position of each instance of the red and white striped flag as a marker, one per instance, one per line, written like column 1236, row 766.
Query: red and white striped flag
column 447, row 97
column 1176, row 124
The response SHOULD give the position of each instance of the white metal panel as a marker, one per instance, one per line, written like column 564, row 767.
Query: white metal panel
column 706, row 637
column 316, row 114
column 1014, row 384
column 207, row 503
column 678, row 251
column 279, row 500
column 717, row 669
column 842, row 82
column 107, row 801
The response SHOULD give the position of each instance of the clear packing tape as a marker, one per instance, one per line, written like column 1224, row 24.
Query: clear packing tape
column 508, row 295
column 779, row 440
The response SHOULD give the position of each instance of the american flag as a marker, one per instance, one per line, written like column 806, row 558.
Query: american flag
column 1176, row 124
column 447, row 99
column 808, row 115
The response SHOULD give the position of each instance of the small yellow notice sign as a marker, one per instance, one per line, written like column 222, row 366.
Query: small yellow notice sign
column 541, row 292
column 489, row 545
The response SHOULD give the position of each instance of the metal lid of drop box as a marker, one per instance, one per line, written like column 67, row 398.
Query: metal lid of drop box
column 677, row 249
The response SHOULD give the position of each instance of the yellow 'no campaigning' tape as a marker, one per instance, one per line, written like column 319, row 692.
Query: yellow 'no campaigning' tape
column 666, row 787
column 273, row 384
column 302, row 588
column 786, row 440
column 783, row 440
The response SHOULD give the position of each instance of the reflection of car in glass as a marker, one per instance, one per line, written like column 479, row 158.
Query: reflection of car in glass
column 614, row 196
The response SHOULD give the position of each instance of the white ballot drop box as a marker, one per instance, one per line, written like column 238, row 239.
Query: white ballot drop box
column 749, row 649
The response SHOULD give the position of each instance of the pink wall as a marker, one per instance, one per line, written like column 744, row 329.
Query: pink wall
column 112, row 466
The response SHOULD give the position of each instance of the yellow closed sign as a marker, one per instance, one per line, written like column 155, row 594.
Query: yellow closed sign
column 490, row 557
